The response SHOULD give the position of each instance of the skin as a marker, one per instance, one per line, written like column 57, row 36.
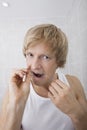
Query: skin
column 70, row 100
column 41, row 61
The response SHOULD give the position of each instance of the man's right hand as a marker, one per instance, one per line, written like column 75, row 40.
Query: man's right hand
column 15, row 100
column 19, row 89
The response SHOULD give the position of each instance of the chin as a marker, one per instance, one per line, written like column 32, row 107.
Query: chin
column 38, row 83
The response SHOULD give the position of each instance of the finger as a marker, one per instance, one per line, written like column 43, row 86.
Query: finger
column 53, row 91
column 22, row 72
column 17, row 72
column 24, row 78
column 27, row 76
column 16, row 77
column 56, row 87
column 61, row 84
column 50, row 95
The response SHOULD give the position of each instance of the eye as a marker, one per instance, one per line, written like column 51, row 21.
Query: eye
column 45, row 57
column 29, row 55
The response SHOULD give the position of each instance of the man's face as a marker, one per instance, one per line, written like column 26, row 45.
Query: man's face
column 42, row 64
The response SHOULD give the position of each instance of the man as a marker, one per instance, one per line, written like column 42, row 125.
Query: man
column 38, row 97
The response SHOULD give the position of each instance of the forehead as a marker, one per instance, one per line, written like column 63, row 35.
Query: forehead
column 40, row 48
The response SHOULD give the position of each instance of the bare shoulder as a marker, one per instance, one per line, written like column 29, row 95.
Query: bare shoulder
column 76, row 84
column 73, row 80
column 72, row 77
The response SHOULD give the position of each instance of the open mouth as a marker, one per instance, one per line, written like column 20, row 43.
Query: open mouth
column 38, row 75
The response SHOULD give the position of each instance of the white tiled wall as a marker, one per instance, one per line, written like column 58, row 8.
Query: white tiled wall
column 77, row 33
column 74, row 25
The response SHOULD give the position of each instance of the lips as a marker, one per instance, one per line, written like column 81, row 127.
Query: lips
column 38, row 75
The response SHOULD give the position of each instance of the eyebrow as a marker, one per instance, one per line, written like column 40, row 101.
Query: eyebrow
column 46, row 54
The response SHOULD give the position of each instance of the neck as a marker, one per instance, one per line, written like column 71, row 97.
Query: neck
column 43, row 90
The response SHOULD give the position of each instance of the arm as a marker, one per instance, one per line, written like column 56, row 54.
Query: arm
column 70, row 100
column 11, row 115
column 80, row 118
column 15, row 100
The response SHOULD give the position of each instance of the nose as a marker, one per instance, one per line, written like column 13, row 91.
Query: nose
column 34, row 64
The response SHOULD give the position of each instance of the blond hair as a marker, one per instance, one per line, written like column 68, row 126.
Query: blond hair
column 50, row 35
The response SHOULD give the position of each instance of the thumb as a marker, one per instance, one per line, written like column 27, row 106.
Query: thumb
column 26, row 84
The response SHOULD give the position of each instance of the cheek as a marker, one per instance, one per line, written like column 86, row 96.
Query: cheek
column 51, row 68
column 54, row 65
column 28, row 63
